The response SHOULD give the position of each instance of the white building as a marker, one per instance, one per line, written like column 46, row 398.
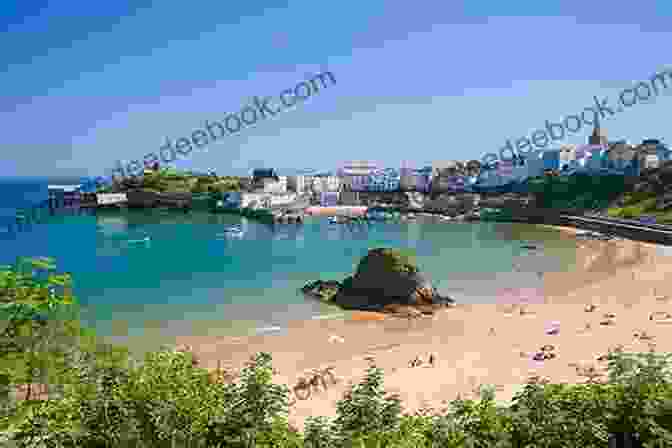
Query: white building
column 444, row 168
column 273, row 186
column 299, row 183
column 567, row 155
column 333, row 183
column 282, row 199
column 253, row 199
column 111, row 198
column 266, row 200
column 650, row 161
column 282, row 184
column 326, row 183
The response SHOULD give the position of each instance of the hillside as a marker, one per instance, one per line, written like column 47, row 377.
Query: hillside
column 650, row 196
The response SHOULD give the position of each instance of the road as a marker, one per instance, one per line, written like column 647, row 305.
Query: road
column 629, row 221
column 657, row 233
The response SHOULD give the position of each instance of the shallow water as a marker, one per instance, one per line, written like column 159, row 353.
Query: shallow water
column 156, row 274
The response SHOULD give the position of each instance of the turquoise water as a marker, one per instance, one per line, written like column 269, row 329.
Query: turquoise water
column 154, row 275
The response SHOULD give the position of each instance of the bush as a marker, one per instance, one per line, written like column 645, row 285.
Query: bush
column 632, row 211
column 365, row 408
column 168, row 402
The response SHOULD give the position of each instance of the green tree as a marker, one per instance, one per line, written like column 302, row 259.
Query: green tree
column 366, row 408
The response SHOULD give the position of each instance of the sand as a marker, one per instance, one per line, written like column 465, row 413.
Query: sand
column 477, row 344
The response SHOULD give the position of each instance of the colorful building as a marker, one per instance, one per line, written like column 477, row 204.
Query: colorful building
column 329, row 199
column 354, row 176
column 386, row 180
column 411, row 179
column 326, row 183
column 551, row 159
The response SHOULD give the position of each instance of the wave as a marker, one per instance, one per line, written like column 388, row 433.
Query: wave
column 328, row 316
column 268, row 329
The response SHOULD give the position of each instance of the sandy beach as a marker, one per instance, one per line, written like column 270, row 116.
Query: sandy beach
column 478, row 344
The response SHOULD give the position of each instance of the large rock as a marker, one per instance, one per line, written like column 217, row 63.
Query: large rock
column 384, row 277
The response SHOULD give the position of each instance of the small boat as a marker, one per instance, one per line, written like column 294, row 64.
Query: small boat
column 144, row 240
column 333, row 220
column 230, row 231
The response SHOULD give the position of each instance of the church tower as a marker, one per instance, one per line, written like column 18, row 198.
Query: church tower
column 599, row 136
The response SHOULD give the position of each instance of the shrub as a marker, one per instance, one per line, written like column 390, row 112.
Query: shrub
column 366, row 408
column 254, row 408
column 632, row 211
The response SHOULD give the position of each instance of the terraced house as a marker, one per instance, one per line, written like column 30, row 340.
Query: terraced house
column 412, row 179
column 651, row 153
column 355, row 176
column 385, row 180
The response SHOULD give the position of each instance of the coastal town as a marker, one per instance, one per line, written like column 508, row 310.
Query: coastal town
column 456, row 190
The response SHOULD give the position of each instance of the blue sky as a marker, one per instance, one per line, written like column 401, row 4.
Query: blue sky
column 93, row 82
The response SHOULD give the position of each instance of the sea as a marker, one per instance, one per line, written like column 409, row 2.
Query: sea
column 145, row 277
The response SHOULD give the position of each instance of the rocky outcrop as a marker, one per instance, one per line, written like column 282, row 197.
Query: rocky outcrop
column 142, row 199
column 386, row 280
column 150, row 199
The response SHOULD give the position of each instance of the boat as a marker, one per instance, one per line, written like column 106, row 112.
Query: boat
column 232, row 231
column 337, row 220
column 144, row 240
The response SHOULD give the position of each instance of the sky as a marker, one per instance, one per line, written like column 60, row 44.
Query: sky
column 88, row 83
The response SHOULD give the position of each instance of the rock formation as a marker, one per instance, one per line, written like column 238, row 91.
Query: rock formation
column 386, row 280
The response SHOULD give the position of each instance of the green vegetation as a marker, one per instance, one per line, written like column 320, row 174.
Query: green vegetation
column 638, row 204
column 167, row 180
column 581, row 192
column 388, row 260
column 106, row 400
column 210, row 184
